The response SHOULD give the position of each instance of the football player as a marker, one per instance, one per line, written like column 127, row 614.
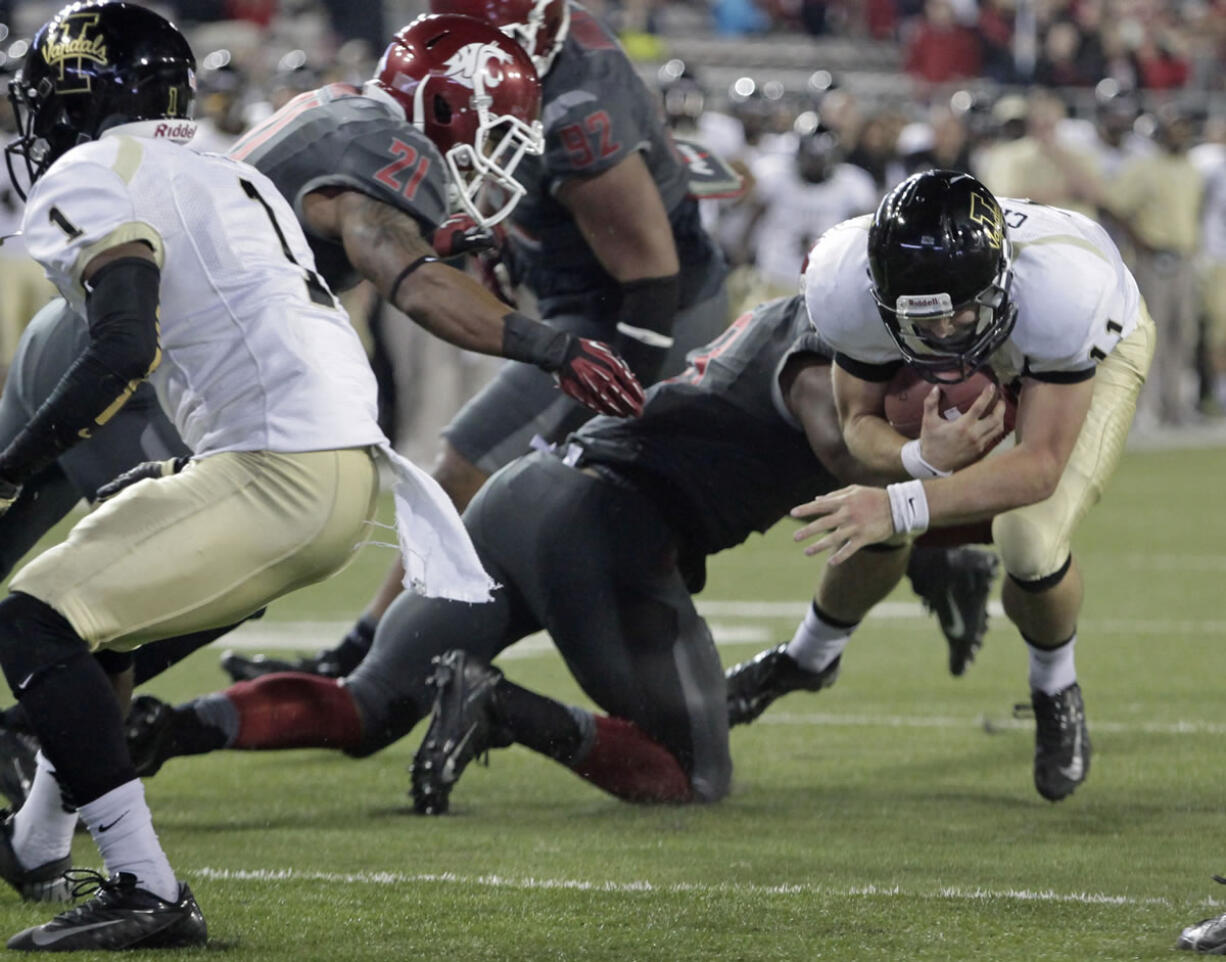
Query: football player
column 190, row 267
column 622, row 516
column 605, row 236
column 949, row 280
column 367, row 170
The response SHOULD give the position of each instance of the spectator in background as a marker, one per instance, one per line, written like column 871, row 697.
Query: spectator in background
column 1161, row 60
column 1210, row 159
column 942, row 49
column 1110, row 136
column 738, row 17
column 796, row 199
column 1157, row 201
column 995, row 29
column 1059, row 64
column 875, row 149
column 220, row 93
column 945, row 146
column 1038, row 167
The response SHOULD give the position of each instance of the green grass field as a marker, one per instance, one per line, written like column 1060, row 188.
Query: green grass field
column 892, row 817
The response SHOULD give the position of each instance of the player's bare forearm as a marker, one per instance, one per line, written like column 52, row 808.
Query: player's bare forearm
column 381, row 241
column 455, row 307
column 807, row 391
column 1008, row 480
column 869, row 437
column 876, row 445
column 624, row 221
column 1049, row 419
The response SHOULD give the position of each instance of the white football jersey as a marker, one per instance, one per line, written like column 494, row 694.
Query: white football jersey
column 256, row 353
column 798, row 212
column 1075, row 298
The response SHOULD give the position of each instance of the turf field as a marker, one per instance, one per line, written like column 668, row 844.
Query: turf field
column 892, row 817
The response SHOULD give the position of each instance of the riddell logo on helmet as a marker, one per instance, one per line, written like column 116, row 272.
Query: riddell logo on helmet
column 475, row 59
column 180, row 131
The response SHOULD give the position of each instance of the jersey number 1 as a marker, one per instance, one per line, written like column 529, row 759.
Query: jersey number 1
column 317, row 290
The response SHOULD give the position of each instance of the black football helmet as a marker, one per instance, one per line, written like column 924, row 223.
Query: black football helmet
column 91, row 67
column 938, row 246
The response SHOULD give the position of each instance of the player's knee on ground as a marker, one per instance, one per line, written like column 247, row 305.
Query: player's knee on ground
column 627, row 763
column 712, row 781
column 1030, row 549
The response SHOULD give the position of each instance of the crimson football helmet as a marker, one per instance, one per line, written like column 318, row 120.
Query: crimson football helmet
column 475, row 94
column 539, row 26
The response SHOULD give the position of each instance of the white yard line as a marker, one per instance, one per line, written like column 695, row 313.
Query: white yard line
column 907, row 615
column 990, row 725
column 951, row 893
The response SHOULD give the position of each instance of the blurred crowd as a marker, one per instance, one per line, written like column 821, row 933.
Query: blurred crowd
column 1149, row 44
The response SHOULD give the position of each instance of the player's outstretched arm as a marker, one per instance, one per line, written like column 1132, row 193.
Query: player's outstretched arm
column 387, row 246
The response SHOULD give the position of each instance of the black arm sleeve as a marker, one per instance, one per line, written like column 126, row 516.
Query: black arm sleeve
column 645, row 323
column 123, row 350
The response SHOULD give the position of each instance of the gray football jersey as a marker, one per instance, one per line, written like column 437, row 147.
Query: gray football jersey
column 335, row 136
column 716, row 443
column 596, row 111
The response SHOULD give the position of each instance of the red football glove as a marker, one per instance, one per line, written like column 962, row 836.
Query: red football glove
column 459, row 234
column 599, row 379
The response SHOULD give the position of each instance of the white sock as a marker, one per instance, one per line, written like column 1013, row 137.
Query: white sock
column 42, row 829
column 122, row 825
column 817, row 642
column 1052, row 669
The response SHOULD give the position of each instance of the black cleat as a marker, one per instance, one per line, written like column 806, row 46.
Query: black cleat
column 1208, row 936
column 1061, row 742
column 17, row 751
column 120, row 916
column 328, row 663
column 149, row 730
column 754, row 684
column 954, row 584
column 463, row 726
column 46, row 883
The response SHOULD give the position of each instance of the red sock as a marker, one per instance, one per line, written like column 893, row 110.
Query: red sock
column 294, row 710
column 626, row 763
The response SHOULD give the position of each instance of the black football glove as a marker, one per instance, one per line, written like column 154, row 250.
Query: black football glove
column 146, row 469
column 9, row 493
column 599, row 379
column 459, row 234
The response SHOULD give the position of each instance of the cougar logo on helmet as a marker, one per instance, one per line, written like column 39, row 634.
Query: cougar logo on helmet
column 474, row 58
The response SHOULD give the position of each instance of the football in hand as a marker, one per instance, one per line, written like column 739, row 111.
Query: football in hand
column 904, row 400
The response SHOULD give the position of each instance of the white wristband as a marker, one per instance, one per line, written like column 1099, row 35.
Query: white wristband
column 915, row 464
column 908, row 507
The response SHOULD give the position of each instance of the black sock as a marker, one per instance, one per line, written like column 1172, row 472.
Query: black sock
column 539, row 723
column 353, row 647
